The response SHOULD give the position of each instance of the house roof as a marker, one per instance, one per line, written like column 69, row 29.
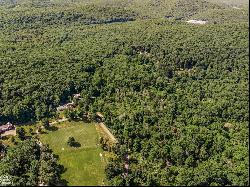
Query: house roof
column 3, row 127
column 65, row 106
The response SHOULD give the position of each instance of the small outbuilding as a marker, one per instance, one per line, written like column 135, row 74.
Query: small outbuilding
column 66, row 106
column 7, row 127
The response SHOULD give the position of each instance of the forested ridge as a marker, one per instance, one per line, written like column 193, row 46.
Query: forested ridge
column 175, row 95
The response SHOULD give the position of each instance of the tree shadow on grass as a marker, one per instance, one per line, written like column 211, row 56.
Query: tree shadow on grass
column 52, row 128
column 86, row 120
column 62, row 182
column 76, row 144
column 77, row 120
column 62, row 169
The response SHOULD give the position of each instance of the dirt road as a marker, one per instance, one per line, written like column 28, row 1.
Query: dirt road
column 58, row 121
column 105, row 129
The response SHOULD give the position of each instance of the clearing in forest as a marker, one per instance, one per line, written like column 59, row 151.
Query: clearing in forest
column 84, row 165
column 201, row 22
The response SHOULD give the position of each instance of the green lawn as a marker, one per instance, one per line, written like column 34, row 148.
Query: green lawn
column 84, row 166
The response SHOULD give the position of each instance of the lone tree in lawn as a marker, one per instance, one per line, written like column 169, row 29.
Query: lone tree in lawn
column 21, row 133
column 71, row 141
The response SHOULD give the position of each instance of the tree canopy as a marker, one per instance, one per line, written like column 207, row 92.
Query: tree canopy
column 175, row 95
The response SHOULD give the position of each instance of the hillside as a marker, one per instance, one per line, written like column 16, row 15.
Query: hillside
column 231, row 2
column 116, row 11
column 174, row 94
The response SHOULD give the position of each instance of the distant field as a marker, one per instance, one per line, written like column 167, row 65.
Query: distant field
column 83, row 165
column 231, row 2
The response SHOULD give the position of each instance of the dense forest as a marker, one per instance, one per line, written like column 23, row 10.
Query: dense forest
column 30, row 164
column 174, row 94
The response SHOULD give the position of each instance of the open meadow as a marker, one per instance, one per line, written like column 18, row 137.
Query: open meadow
column 83, row 163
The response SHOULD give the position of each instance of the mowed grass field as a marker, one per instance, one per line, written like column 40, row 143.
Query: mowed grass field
column 83, row 164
